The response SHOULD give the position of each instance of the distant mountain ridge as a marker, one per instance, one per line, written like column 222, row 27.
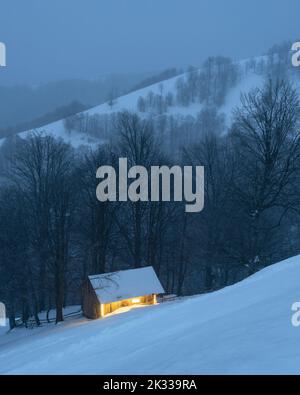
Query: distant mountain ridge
column 182, row 99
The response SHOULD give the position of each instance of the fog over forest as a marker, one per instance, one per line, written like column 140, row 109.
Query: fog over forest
column 154, row 147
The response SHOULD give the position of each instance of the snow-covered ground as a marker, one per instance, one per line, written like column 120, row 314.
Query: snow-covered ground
column 243, row 329
column 129, row 102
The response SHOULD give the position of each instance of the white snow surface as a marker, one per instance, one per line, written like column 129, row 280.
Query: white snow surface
column 242, row 329
column 126, row 284
column 129, row 101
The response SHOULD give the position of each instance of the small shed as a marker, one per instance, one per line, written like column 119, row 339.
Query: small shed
column 105, row 293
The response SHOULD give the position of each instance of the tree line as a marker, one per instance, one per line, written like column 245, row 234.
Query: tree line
column 54, row 232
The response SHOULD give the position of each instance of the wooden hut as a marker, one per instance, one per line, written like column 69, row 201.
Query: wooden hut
column 105, row 293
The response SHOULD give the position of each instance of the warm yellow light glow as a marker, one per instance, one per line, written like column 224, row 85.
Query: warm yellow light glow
column 102, row 310
column 126, row 304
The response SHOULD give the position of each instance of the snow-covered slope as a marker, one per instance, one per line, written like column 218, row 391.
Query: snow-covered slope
column 249, row 76
column 243, row 329
column 129, row 102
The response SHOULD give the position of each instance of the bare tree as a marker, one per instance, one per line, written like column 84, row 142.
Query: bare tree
column 97, row 226
column 42, row 169
column 137, row 144
column 267, row 143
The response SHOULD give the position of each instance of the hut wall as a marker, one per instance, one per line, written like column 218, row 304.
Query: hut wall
column 90, row 303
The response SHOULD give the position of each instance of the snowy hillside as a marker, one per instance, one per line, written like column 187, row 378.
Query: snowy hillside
column 243, row 329
column 167, row 89
column 167, row 100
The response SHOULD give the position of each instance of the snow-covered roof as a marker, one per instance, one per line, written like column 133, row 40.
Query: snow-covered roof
column 126, row 284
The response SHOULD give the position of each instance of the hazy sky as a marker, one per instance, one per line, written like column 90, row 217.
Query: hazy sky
column 54, row 39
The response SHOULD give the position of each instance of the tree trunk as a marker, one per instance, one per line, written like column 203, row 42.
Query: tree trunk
column 182, row 258
column 42, row 282
column 137, row 235
column 209, row 278
column 59, row 296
